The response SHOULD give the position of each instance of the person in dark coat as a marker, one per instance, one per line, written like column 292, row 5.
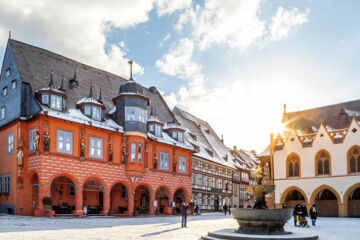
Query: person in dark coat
column 183, row 209
column 303, row 209
column 296, row 212
column 313, row 214
column 225, row 207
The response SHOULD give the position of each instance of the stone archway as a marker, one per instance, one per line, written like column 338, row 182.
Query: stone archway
column 119, row 199
column 179, row 198
column 327, row 201
column 352, row 199
column 293, row 198
column 162, row 196
column 142, row 200
column 93, row 196
column 63, row 195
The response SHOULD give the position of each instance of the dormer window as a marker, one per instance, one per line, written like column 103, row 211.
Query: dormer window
column 56, row 102
column 7, row 72
column 135, row 114
column 158, row 130
column 92, row 111
column 45, row 98
column 181, row 137
column 174, row 134
column 96, row 113
column 5, row 91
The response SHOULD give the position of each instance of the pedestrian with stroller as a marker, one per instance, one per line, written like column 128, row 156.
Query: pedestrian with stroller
column 303, row 215
column 313, row 214
column 183, row 209
column 296, row 212
column 225, row 207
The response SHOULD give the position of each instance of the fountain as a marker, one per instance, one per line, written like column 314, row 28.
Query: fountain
column 259, row 222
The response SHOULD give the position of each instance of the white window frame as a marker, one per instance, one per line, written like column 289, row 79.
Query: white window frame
column 158, row 130
column 164, row 161
column 136, row 114
column 45, row 98
column 182, row 164
column 64, row 142
column 139, row 153
column 32, row 133
column 5, row 91
column 87, row 110
column 3, row 113
column 13, row 84
column 7, row 184
column 56, row 102
column 133, row 152
column 180, row 137
column 10, row 143
column 96, row 147
column 152, row 128
column 96, row 113
column 174, row 134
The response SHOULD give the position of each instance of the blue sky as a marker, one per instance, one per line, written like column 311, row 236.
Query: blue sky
column 232, row 63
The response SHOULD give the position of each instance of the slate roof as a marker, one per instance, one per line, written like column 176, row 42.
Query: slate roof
column 336, row 116
column 207, row 139
column 35, row 64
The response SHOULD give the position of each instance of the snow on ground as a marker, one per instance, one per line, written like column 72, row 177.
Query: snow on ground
column 152, row 227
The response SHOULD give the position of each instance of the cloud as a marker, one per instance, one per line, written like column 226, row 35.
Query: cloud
column 78, row 29
column 285, row 20
column 166, row 7
column 178, row 61
column 233, row 22
column 165, row 39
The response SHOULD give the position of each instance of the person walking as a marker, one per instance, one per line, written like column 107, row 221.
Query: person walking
column 313, row 214
column 296, row 212
column 225, row 207
column 183, row 209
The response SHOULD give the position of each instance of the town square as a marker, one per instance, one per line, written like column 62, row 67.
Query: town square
column 179, row 119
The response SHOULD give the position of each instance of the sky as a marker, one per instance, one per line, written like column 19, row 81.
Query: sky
column 232, row 63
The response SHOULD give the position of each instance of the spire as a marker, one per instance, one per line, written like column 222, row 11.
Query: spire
column 9, row 34
column 100, row 97
column 131, row 63
column 91, row 91
column 51, row 83
column 62, row 84
column 284, row 116
column 74, row 75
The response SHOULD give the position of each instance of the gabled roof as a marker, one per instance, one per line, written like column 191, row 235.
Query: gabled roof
column 336, row 116
column 35, row 65
column 207, row 140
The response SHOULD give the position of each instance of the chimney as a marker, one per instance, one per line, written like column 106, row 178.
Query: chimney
column 235, row 148
column 222, row 138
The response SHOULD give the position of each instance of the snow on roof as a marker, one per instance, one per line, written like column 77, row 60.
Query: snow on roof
column 51, row 89
column 154, row 119
column 350, row 113
column 266, row 152
column 165, row 138
column 88, row 100
column 172, row 126
column 75, row 115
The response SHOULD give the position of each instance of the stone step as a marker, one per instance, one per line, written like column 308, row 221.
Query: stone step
column 207, row 237
column 66, row 215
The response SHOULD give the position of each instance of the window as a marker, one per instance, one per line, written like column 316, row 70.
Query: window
column 13, row 84
column 87, row 110
column 322, row 163
column 181, row 137
column 45, row 98
column 174, row 134
column 164, row 161
column 96, row 147
column 96, row 113
column 71, row 189
column 5, row 91
column 7, row 72
column 135, row 114
column 56, row 102
column 64, row 141
column 3, row 113
column 140, row 153
column 293, row 165
column 7, row 184
column 158, row 130
column 182, row 164
column 133, row 152
column 353, row 157
column 151, row 128
column 10, row 143
column 32, row 140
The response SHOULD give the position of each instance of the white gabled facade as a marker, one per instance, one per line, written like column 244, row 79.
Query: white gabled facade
column 340, row 181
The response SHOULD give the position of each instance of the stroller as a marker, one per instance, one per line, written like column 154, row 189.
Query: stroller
column 303, row 222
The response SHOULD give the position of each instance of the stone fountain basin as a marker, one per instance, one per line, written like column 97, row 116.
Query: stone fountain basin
column 271, row 215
